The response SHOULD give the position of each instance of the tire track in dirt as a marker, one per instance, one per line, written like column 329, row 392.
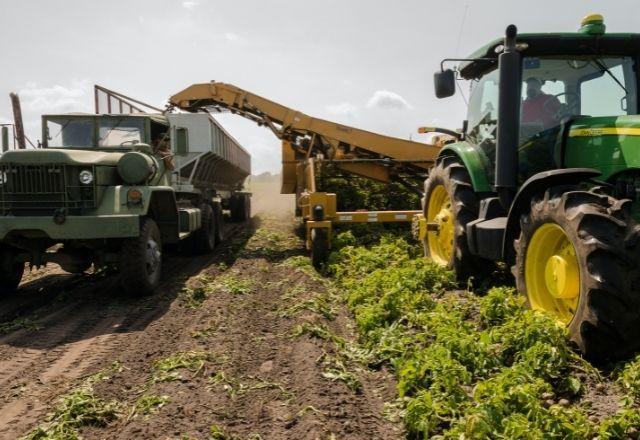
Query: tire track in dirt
column 260, row 380
column 77, row 336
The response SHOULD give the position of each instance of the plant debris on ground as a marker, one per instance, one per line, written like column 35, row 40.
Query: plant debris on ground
column 470, row 366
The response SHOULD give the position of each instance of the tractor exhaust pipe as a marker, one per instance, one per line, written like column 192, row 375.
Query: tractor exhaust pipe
column 508, row 120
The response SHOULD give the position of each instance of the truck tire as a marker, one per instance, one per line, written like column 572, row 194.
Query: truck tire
column 449, row 204
column 577, row 259
column 319, row 247
column 10, row 271
column 141, row 260
column 236, row 208
column 247, row 207
column 219, row 218
column 204, row 239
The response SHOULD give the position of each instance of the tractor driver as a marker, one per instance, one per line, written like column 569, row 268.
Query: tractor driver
column 539, row 107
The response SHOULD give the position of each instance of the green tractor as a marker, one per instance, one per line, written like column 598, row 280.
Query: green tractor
column 545, row 178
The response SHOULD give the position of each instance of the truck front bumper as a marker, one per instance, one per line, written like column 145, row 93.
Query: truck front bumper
column 83, row 227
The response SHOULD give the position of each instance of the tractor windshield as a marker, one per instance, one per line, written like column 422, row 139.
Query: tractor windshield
column 554, row 91
column 557, row 89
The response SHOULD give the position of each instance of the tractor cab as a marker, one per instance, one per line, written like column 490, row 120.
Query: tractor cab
column 556, row 91
column 587, row 79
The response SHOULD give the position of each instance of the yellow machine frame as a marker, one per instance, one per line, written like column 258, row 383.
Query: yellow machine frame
column 310, row 144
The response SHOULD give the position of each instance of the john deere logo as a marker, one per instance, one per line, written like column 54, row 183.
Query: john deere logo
column 588, row 132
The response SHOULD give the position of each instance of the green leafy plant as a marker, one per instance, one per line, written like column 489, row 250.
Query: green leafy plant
column 166, row 370
column 77, row 409
column 468, row 366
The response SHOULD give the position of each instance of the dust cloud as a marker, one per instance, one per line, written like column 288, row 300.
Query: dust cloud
column 266, row 198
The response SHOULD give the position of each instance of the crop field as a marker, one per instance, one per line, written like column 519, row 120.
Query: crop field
column 252, row 343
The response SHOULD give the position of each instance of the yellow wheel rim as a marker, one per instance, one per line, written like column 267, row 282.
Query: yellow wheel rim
column 552, row 273
column 440, row 226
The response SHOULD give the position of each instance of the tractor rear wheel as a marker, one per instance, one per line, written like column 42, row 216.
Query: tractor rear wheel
column 577, row 260
column 449, row 204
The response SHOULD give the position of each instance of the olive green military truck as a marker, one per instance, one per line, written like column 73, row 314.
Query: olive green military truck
column 115, row 190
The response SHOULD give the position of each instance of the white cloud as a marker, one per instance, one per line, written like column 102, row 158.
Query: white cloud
column 57, row 98
column 388, row 100
column 342, row 109
column 37, row 99
column 190, row 4
column 230, row 36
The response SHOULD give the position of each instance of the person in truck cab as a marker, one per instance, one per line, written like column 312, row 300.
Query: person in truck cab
column 162, row 147
column 539, row 107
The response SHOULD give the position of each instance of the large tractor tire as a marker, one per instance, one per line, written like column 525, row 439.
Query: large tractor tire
column 449, row 204
column 10, row 271
column 141, row 260
column 577, row 259
column 319, row 247
column 204, row 239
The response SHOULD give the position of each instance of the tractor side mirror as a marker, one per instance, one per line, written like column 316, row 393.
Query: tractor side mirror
column 445, row 83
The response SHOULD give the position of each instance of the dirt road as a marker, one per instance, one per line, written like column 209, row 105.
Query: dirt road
column 246, row 343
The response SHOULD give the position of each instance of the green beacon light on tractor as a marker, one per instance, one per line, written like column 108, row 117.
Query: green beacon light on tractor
column 592, row 24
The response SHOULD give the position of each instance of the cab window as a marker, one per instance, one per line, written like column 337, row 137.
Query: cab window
column 69, row 133
column 483, row 115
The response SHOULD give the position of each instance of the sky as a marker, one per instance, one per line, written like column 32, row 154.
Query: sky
column 365, row 63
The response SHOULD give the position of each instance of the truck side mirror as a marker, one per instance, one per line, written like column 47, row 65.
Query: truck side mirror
column 445, row 83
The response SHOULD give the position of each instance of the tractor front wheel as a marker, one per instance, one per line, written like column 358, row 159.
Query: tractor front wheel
column 577, row 260
column 449, row 204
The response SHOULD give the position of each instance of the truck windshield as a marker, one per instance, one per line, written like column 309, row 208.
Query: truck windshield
column 69, row 133
column 118, row 132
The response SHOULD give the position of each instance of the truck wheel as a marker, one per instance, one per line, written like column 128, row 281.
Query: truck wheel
column 219, row 220
column 449, row 204
column 235, row 205
column 204, row 239
column 141, row 260
column 10, row 271
column 319, row 247
column 577, row 259
column 247, row 207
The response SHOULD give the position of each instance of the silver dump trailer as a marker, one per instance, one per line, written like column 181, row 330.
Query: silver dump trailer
column 206, row 154
column 208, row 158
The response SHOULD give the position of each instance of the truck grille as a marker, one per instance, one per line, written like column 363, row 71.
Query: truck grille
column 43, row 189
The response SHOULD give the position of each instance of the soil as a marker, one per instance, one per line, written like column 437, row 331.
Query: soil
column 259, row 380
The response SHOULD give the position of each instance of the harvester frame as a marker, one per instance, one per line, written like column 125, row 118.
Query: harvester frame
column 309, row 145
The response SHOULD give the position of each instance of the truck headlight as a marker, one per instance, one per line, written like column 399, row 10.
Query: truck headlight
column 86, row 177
